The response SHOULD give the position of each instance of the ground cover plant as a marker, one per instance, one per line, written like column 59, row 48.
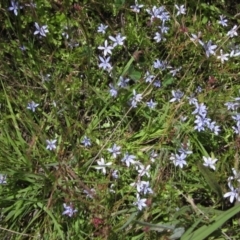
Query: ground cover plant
column 119, row 119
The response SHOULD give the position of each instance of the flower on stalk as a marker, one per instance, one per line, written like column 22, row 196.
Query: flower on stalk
column 235, row 177
column 209, row 48
column 146, row 189
column 23, row 48
column 106, row 48
column 157, row 84
column 151, row 104
column 103, row 165
column 115, row 174
column 90, row 193
column 232, row 32
column 213, row 127
column 183, row 118
column 68, row 210
column 15, row 7
column 209, row 162
column 65, row 33
column 159, row 13
column 198, row 89
column 201, row 123
column 142, row 187
column 159, row 37
column 179, row 159
column 181, row 9
column 135, row 99
column 223, row 57
column 196, row 38
column 115, row 150
column 236, row 117
column 118, row 40
column 111, row 188
column 232, row 106
column 177, row 95
column 153, row 156
column 164, row 29
column 136, row 8
column 128, row 159
column 86, row 141
column 162, row 65
column 175, row 71
column 185, row 149
column 192, row 100
column 123, row 82
column 51, row 144
column 148, row 77
column 102, row 28
column 32, row 106
column 233, row 194
column 200, row 109
column 236, row 129
column 140, row 203
column 234, row 53
column 3, row 179
column 105, row 63
column 144, row 170
column 41, row 30
column 113, row 91
column 223, row 21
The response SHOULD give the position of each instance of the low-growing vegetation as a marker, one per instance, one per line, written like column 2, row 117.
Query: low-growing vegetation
column 119, row 119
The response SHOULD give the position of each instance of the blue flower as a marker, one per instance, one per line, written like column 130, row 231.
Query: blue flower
column 181, row 9
column 32, row 106
column 135, row 99
column 123, row 82
column 141, row 203
column 128, row 159
column 115, row 150
column 179, row 159
column 102, row 28
column 41, row 30
column 103, row 165
column 136, row 8
column 151, row 104
column 148, row 77
column 177, row 95
column 118, row 40
column 86, row 141
column 15, row 7
column 157, row 84
column 223, row 21
column 51, row 144
column 105, row 63
column 200, row 109
column 107, row 49
column 3, row 179
column 209, row 48
column 68, row 210
column 113, row 91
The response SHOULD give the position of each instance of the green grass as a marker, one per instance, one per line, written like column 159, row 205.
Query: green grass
column 63, row 76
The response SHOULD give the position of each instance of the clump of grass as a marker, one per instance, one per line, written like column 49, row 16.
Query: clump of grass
column 119, row 120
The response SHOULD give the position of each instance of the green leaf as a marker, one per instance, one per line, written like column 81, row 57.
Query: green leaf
column 134, row 74
column 206, row 230
column 130, row 219
column 210, row 179
column 56, row 224
column 168, row 80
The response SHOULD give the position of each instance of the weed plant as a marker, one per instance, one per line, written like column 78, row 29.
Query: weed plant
column 119, row 119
